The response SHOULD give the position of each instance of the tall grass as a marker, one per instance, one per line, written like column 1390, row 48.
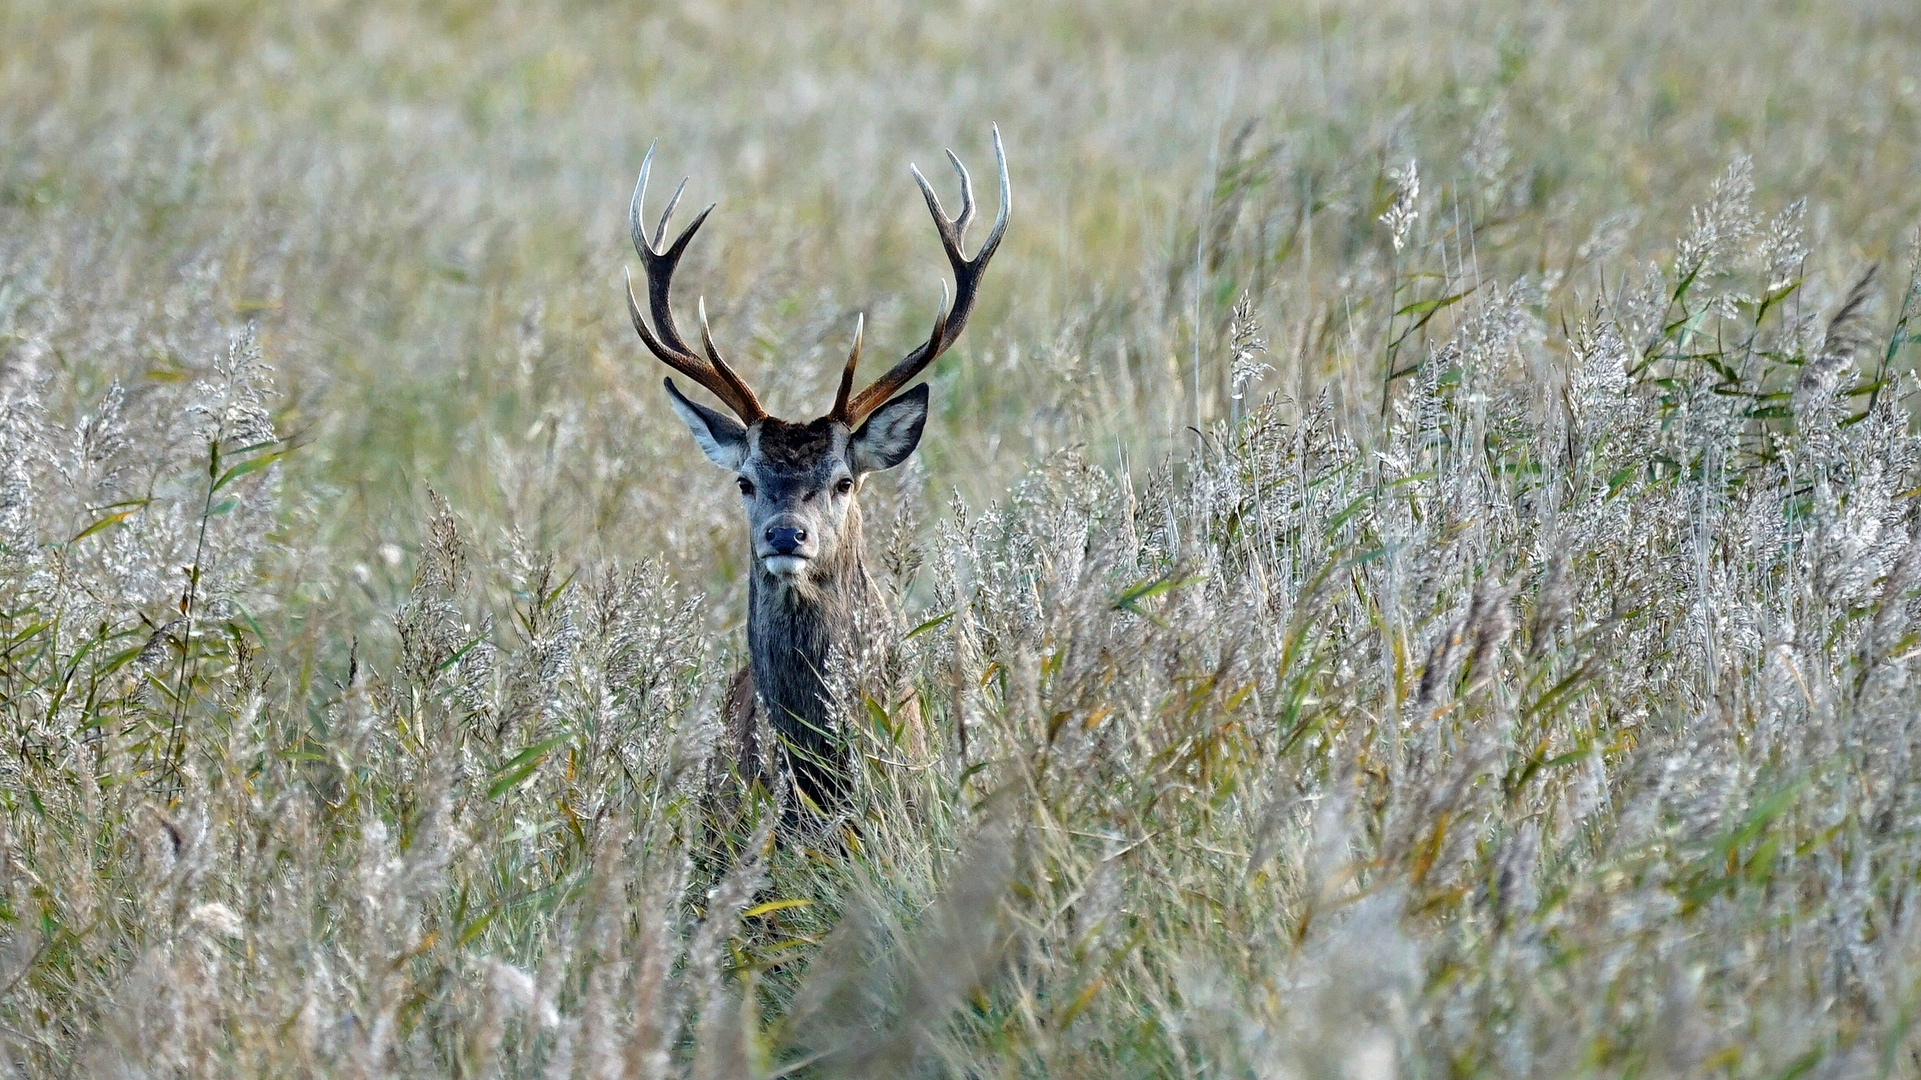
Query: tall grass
column 1413, row 572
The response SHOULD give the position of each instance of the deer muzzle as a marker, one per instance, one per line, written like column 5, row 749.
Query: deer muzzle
column 784, row 549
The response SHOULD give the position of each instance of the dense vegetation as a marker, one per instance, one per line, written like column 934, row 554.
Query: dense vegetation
column 1414, row 570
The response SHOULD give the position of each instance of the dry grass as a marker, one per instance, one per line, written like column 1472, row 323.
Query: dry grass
column 1413, row 567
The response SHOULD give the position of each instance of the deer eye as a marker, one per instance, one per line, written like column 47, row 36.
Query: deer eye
column 746, row 486
column 845, row 485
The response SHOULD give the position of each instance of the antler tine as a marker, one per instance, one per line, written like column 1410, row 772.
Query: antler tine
column 949, row 240
column 660, row 230
column 948, row 322
column 663, row 339
column 647, row 337
column 847, row 373
column 1007, row 200
column 634, row 229
column 966, row 216
column 942, row 314
column 747, row 399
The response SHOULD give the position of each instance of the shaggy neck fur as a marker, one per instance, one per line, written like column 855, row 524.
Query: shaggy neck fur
column 797, row 629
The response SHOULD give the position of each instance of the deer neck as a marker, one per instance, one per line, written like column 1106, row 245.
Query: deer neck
column 797, row 632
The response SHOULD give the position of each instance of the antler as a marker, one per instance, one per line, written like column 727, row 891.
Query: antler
column 947, row 323
column 713, row 372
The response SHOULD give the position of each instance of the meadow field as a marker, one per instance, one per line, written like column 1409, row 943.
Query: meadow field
column 1413, row 570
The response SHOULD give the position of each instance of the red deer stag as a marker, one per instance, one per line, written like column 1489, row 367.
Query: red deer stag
column 809, row 592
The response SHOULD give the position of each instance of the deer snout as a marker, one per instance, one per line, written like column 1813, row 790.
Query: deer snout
column 785, row 539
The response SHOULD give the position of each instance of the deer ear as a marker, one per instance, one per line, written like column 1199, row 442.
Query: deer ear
column 891, row 433
column 723, row 441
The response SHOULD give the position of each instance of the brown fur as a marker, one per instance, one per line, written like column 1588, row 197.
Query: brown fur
column 742, row 712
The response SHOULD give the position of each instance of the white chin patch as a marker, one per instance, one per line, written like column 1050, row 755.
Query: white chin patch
column 784, row 565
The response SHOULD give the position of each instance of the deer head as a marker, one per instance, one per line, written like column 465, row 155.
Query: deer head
column 798, row 480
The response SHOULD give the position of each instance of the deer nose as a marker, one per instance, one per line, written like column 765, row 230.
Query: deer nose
column 785, row 540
